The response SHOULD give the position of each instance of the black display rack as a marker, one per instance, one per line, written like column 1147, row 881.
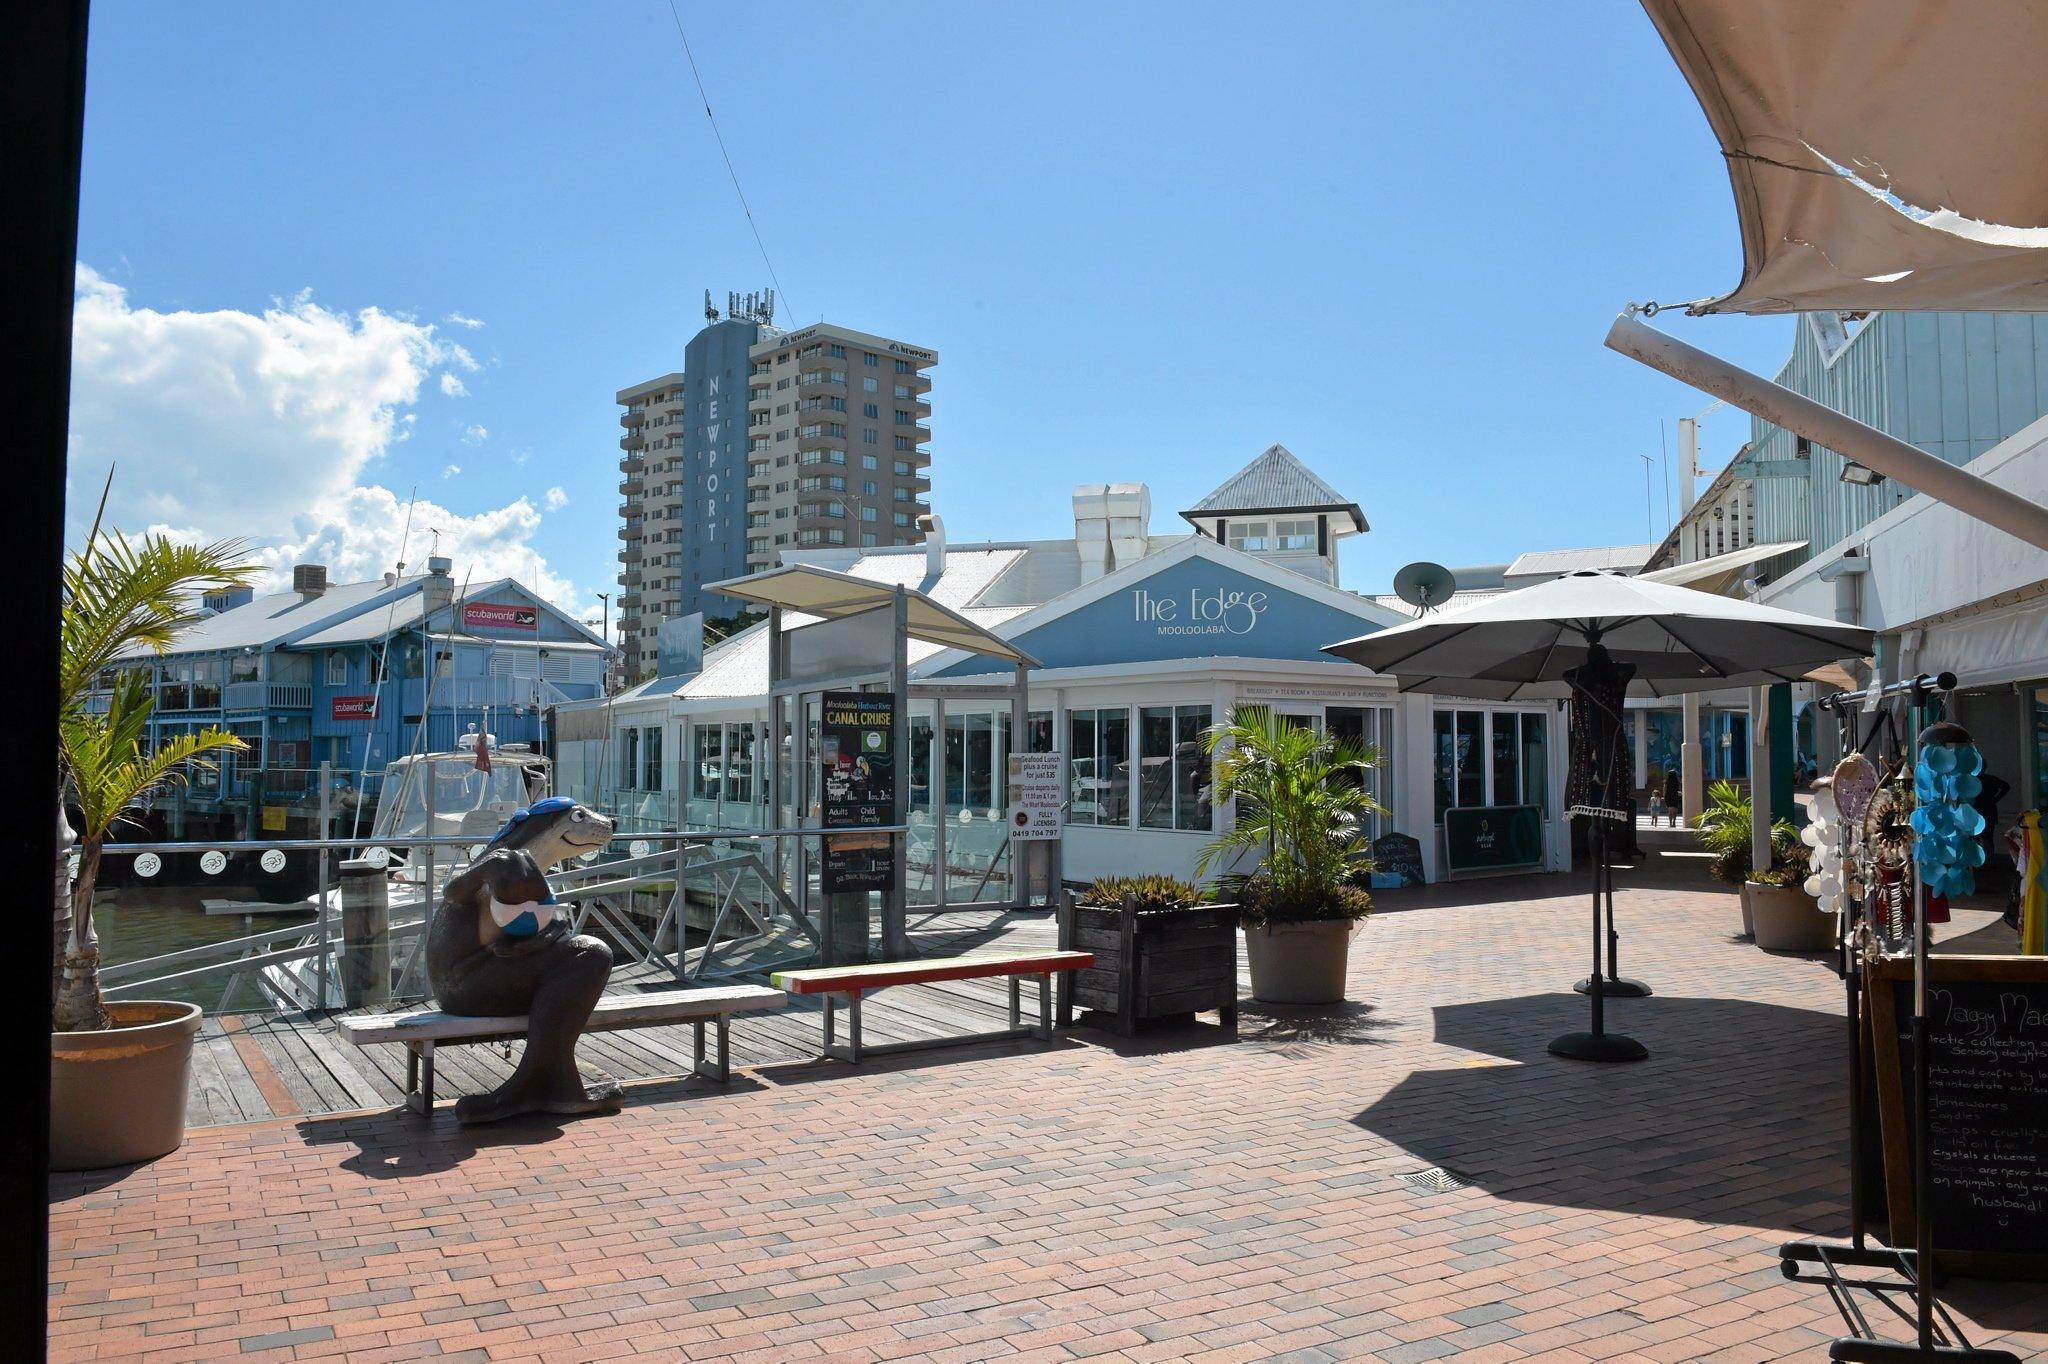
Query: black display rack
column 1903, row 1272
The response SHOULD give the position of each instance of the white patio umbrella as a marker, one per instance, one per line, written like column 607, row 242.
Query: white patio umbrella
column 1568, row 638
column 1518, row 646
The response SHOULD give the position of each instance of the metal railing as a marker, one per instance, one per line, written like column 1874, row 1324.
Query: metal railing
column 692, row 906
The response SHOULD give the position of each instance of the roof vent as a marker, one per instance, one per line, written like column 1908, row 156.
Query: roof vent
column 934, row 546
column 309, row 580
column 441, row 566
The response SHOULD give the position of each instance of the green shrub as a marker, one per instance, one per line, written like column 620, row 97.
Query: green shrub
column 1152, row 890
column 1261, row 901
column 1723, row 829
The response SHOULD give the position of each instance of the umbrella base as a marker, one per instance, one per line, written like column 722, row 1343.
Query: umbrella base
column 1598, row 1046
column 1615, row 987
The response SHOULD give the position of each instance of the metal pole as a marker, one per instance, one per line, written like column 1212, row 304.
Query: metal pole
column 320, row 974
column 1923, row 1207
column 895, row 933
column 1020, row 720
column 1873, row 449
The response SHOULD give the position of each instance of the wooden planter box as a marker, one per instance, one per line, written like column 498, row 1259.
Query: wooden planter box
column 1164, row 963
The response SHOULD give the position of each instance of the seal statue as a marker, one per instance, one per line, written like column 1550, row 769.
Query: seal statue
column 498, row 946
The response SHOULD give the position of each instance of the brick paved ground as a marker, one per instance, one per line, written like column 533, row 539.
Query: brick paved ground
column 1163, row 1200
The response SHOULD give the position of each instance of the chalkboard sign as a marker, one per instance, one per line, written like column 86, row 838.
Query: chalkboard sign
column 1987, row 1082
column 1396, row 861
column 1492, row 837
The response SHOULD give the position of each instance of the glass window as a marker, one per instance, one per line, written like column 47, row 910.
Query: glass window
column 1507, row 758
column 1173, row 782
column 650, row 760
column 739, row 764
column 1536, row 761
column 1471, row 748
column 337, row 670
column 1253, row 537
column 629, row 757
column 1099, row 766
column 708, row 771
column 1294, row 535
column 1038, row 732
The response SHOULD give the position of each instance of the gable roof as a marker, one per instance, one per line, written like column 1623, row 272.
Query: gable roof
column 1021, row 622
column 1275, row 481
column 367, row 626
column 279, row 617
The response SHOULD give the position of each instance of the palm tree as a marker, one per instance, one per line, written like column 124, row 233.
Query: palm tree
column 121, row 598
column 1724, row 831
column 1301, row 808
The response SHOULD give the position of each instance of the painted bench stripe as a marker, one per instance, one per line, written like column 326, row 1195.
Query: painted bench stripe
column 818, row 980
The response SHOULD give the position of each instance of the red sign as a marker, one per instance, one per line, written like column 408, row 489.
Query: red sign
column 489, row 615
column 355, row 708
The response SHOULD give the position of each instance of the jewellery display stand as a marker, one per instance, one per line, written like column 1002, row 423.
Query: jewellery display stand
column 1937, row 1337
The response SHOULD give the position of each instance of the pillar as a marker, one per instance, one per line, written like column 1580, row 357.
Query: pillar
column 1783, row 751
column 1692, row 764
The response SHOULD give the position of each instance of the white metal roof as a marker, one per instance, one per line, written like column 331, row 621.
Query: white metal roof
column 823, row 594
column 1555, row 563
column 270, row 620
column 1275, row 481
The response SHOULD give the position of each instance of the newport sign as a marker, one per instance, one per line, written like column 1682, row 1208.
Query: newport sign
column 1201, row 611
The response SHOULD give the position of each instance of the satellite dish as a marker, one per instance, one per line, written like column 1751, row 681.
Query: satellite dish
column 1424, row 585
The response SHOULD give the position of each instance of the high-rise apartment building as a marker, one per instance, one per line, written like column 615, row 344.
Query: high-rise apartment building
column 765, row 440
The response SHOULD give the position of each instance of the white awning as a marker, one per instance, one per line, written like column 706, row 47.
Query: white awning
column 1722, row 571
column 1882, row 156
column 825, row 595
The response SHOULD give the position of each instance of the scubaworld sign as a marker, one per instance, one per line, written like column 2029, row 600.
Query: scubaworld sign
column 1200, row 611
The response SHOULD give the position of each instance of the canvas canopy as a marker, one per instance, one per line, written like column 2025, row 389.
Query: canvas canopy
column 826, row 595
column 1519, row 645
column 1881, row 155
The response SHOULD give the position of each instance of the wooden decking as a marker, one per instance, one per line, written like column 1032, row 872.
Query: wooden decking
column 248, row 1067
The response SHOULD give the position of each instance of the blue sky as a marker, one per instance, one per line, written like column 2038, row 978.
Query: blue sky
column 1147, row 242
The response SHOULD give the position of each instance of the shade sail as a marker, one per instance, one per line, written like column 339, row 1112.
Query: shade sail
column 820, row 592
column 1519, row 645
column 1722, row 571
column 1882, row 155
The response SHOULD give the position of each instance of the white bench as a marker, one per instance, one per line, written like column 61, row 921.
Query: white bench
column 421, row 1029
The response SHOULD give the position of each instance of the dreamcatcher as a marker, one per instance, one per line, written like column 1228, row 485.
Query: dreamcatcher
column 1888, row 856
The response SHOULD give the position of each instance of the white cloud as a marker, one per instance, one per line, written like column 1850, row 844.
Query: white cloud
column 458, row 320
column 453, row 386
column 556, row 499
column 451, row 470
column 475, row 435
column 263, row 426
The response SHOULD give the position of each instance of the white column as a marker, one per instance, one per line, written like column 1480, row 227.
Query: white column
column 1692, row 765
column 1642, row 719
column 1415, row 780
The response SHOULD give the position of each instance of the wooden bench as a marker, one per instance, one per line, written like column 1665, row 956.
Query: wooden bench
column 422, row 1029
column 849, row 983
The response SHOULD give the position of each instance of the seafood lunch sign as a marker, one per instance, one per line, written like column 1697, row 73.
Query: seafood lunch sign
column 1200, row 611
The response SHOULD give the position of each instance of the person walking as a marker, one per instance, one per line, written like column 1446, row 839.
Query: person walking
column 1671, row 797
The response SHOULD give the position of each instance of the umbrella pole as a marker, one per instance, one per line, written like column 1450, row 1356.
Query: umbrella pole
column 1615, row 986
column 1598, row 1044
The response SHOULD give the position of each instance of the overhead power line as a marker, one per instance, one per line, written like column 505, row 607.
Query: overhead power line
column 712, row 118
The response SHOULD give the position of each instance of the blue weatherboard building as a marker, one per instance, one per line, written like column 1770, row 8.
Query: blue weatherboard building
column 355, row 675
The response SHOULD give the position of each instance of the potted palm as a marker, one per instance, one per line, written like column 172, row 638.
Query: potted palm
column 119, row 1070
column 1723, row 829
column 1301, row 806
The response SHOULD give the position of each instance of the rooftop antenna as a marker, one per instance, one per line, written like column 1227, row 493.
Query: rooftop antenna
column 1425, row 586
column 710, row 313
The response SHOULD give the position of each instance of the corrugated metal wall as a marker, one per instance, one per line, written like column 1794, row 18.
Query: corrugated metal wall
column 1954, row 384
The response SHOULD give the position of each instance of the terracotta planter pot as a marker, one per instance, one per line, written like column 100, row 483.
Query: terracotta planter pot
column 1787, row 919
column 118, row 1096
column 1299, row 963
